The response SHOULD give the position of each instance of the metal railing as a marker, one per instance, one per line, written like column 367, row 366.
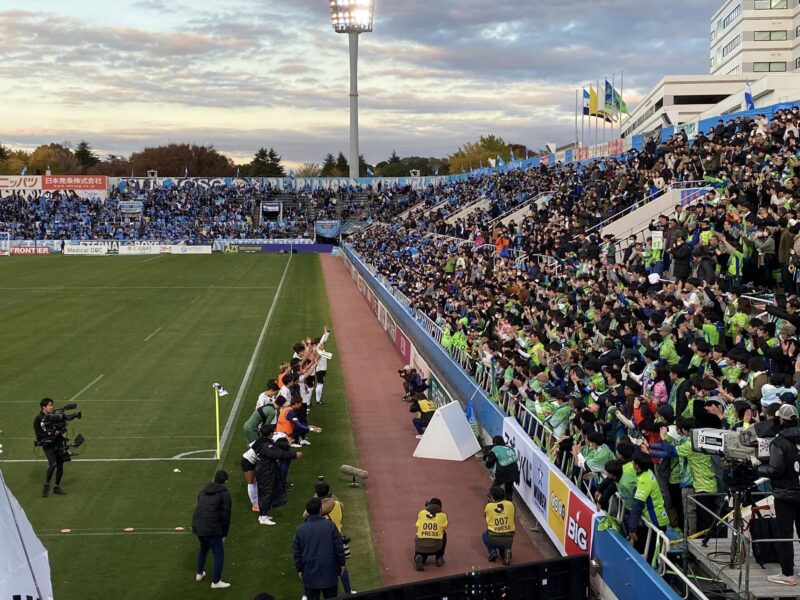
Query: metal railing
column 521, row 206
column 646, row 200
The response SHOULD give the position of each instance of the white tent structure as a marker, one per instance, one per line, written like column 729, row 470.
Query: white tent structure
column 448, row 436
column 24, row 567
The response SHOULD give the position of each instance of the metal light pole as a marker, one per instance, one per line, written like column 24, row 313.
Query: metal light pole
column 353, row 17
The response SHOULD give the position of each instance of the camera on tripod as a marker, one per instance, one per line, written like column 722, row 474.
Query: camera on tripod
column 742, row 451
column 55, row 425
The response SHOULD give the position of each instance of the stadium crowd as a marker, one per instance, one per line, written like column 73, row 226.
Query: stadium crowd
column 621, row 353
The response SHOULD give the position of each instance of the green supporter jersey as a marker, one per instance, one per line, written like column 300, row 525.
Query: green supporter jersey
column 626, row 486
column 596, row 459
column 668, row 353
column 703, row 476
column 647, row 491
column 710, row 334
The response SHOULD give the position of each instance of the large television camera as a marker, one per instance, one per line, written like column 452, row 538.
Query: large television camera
column 55, row 426
column 741, row 451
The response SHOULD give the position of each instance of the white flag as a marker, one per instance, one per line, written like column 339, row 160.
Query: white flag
column 220, row 390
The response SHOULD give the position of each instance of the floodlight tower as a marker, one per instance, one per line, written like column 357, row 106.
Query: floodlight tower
column 353, row 17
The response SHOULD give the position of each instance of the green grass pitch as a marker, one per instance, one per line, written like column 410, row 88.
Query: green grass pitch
column 153, row 335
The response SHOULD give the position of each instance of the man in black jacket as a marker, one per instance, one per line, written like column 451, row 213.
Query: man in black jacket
column 210, row 523
column 784, row 471
column 318, row 553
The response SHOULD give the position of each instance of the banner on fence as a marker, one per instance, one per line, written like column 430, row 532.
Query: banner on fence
column 74, row 182
column 191, row 250
column 402, row 344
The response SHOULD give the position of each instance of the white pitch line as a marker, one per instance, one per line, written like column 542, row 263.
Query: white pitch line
column 147, row 339
column 43, row 460
column 84, row 389
column 248, row 374
column 195, row 300
column 149, row 259
column 185, row 454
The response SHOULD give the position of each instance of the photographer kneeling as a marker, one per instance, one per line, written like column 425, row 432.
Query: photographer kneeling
column 53, row 443
column 413, row 383
column 784, row 471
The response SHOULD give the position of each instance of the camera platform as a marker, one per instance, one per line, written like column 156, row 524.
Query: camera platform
column 714, row 560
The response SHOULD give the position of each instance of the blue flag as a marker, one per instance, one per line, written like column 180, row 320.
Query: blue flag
column 24, row 171
column 748, row 96
column 185, row 171
column 437, row 171
column 237, row 172
column 586, row 98
column 512, row 156
column 500, row 161
column 370, row 173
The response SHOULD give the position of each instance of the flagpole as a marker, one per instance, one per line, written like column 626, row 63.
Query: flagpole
column 576, row 119
column 583, row 116
column 621, row 99
column 597, row 124
column 216, row 404
column 613, row 102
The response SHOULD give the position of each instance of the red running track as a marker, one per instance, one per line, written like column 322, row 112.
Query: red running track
column 399, row 484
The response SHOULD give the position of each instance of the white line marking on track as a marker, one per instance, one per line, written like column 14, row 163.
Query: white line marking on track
column 195, row 300
column 248, row 374
column 149, row 259
column 185, row 454
column 76, row 459
column 147, row 339
column 85, row 388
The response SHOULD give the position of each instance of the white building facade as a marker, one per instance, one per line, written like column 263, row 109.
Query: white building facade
column 755, row 37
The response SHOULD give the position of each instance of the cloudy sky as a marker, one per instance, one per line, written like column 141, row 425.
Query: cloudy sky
column 248, row 73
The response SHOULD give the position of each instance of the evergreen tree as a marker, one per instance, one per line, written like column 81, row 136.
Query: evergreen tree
column 394, row 158
column 260, row 165
column 362, row 166
column 86, row 157
column 328, row 166
column 275, row 169
column 3, row 152
column 342, row 166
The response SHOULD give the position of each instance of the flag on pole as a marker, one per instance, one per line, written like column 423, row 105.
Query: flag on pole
column 370, row 173
column 500, row 161
column 185, row 171
column 594, row 109
column 748, row 96
column 220, row 390
column 437, row 172
column 512, row 155
column 24, row 171
column 237, row 172
column 586, row 101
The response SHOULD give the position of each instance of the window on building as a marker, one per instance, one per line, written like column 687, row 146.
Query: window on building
column 732, row 16
column 770, row 36
column 796, row 63
column 770, row 4
column 731, row 46
column 769, row 67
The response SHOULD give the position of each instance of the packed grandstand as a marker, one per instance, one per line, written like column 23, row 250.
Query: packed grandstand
column 599, row 346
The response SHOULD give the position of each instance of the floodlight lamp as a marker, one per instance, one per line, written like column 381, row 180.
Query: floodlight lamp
column 352, row 16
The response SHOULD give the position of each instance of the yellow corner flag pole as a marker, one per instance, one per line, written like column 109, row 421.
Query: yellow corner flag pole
column 216, row 405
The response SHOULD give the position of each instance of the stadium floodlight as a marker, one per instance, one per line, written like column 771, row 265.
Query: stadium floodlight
column 353, row 17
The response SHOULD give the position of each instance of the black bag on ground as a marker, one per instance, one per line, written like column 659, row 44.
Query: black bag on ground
column 761, row 530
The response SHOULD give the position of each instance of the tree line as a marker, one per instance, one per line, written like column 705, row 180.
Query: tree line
column 179, row 159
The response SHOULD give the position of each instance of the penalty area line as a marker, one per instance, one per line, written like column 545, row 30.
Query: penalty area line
column 85, row 388
column 147, row 339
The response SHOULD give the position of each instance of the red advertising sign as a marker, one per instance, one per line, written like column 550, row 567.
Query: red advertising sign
column 402, row 344
column 31, row 250
column 74, row 182
column 578, row 537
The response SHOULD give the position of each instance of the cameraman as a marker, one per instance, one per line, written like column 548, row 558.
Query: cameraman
column 413, row 384
column 52, row 442
column 784, row 471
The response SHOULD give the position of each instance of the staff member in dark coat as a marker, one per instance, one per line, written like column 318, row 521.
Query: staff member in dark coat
column 210, row 523
column 784, row 471
column 506, row 468
column 318, row 553
column 271, row 491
